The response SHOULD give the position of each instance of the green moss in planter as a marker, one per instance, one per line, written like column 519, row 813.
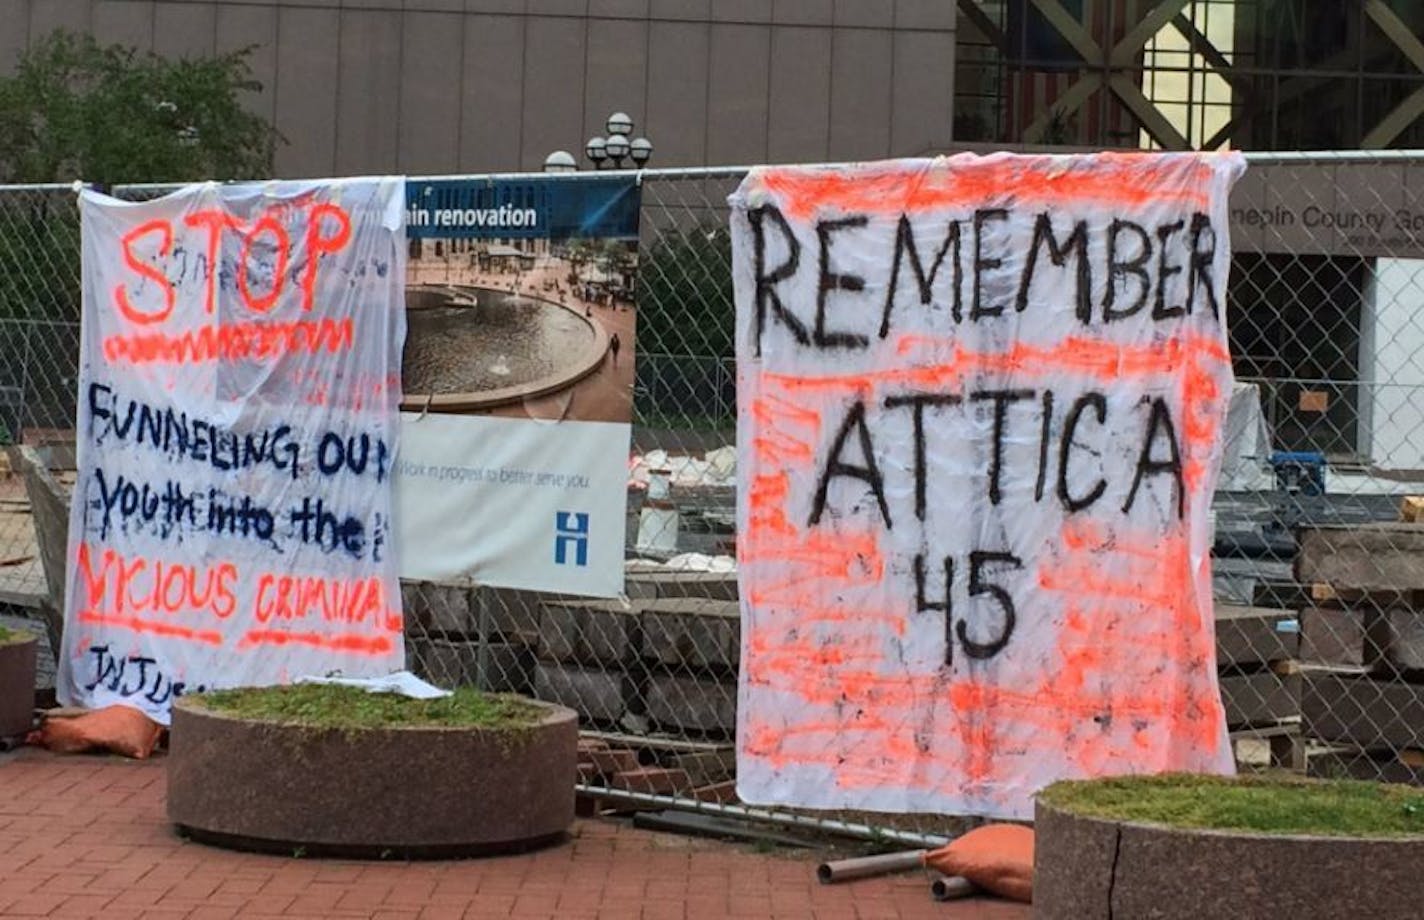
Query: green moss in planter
column 8, row 636
column 354, row 709
column 1257, row 804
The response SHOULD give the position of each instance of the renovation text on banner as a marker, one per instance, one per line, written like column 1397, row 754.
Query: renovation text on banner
column 238, row 403
column 980, row 406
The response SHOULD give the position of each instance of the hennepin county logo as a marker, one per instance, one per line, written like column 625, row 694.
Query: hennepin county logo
column 571, row 532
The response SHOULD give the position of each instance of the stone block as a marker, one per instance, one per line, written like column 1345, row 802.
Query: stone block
column 588, row 631
column 1394, row 640
column 1351, row 763
column 1355, row 709
column 688, row 632
column 1282, row 595
column 422, row 660
column 514, row 614
column 59, row 455
column 594, row 694
column 637, row 589
column 717, row 586
column 1333, row 636
column 695, row 703
column 1260, row 698
column 453, row 663
column 1370, row 557
column 436, row 609
column 1253, row 635
column 510, row 669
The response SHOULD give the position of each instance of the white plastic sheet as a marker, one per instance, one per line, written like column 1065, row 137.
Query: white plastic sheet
column 1246, row 451
column 715, row 468
column 402, row 683
column 980, row 405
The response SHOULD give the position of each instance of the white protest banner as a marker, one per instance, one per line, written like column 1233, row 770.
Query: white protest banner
column 980, row 405
column 238, row 402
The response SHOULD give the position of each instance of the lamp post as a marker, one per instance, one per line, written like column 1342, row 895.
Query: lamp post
column 616, row 147
column 610, row 151
column 560, row 161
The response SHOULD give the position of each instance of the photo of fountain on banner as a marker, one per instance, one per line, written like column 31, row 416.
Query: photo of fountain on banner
column 980, row 424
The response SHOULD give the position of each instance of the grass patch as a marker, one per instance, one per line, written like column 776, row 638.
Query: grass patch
column 350, row 708
column 1263, row 805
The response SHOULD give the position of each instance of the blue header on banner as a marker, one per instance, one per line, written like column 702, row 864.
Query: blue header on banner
column 535, row 208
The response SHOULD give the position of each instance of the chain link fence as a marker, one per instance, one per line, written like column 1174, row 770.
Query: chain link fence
column 1319, row 543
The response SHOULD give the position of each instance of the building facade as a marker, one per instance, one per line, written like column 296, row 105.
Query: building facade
column 447, row 86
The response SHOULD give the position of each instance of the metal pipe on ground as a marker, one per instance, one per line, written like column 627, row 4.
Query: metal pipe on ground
column 843, row 870
column 823, row 825
column 951, row 887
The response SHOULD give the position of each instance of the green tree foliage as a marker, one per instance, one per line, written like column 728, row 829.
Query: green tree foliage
column 685, row 293
column 686, row 330
column 39, row 255
column 76, row 110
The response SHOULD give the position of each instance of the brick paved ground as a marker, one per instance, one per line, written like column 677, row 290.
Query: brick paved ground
column 86, row 837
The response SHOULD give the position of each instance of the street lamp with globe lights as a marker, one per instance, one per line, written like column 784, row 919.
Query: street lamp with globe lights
column 597, row 151
column 619, row 123
column 560, row 161
column 616, row 147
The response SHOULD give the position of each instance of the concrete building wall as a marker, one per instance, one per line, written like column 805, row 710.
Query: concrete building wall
column 444, row 86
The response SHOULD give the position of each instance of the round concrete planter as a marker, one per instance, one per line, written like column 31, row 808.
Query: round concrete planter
column 417, row 792
column 1087, row 868
column 17, row 683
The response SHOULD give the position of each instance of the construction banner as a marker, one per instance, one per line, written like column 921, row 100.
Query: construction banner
column 238, row 406
column 980, row 423
column 519, row 377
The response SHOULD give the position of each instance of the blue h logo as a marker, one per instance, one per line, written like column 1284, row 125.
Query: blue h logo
column 570, row 530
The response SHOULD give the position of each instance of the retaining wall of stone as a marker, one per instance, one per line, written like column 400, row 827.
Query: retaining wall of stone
column 666, row 659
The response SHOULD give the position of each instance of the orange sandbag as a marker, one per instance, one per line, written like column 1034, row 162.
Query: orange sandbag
column 996, row 857
column 121, row 729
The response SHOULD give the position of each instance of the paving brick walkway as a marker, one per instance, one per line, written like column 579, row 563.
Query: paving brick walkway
column 87, row 837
